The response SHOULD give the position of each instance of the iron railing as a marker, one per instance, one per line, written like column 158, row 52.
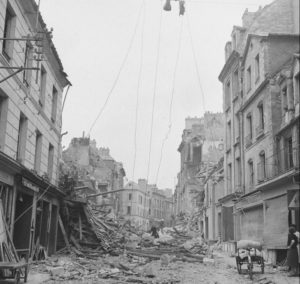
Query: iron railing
column 283, row 161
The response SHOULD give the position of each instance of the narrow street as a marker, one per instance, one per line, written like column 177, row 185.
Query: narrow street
column 104, row 270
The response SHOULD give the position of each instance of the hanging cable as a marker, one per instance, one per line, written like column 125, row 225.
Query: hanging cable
column 171, row 100
column 138, row 90
column 119, row 71
column 154, row 94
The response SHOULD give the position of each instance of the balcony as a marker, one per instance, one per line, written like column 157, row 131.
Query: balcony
column 283, row 161
column 259, row 131
column 248, row 140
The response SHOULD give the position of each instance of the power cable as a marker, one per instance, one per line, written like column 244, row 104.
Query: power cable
column 138, row 90
column 154, row 93
column 171, row 100
column 119, row 71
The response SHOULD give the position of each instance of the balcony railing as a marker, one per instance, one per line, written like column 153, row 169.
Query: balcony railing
column 259, row 131
column 248, row 140
column 281, row 162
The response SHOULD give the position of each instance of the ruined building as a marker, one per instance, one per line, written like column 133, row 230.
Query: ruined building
column 30, row 126
column 201, row 147
column 93, row 171
column 261, row 104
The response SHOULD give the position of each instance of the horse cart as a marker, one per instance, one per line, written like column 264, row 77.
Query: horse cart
column 249, row 254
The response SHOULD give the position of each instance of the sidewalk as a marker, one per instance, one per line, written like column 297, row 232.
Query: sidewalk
column 271, row 275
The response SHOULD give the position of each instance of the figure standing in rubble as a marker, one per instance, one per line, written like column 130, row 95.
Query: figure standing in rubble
column 154, row 232
column 292, row 253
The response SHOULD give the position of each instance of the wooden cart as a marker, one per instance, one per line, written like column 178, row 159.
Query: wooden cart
column 17, row 270
column 248, row 255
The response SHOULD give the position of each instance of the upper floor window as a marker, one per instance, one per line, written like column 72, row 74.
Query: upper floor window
column 129, row 196
column 235, row 84
column 248, row 79
column 261, row 122
column 38, row 151
column 257, row 66
column 128, row 209
column 22, row 137
column 227, row 94
column 54, row 104
column 284, row 99
column 251, row 173
column 43, row 82
column 297, row 88
column 262, row 166
column 289, row 152
column 3, row 118
column 228, row 138
column 9, row 27
column 249, row 126
column 50, row 160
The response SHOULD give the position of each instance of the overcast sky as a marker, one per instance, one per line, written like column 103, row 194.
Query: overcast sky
column 92, row 38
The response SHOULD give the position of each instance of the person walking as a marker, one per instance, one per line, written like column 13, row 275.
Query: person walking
column 292, row 253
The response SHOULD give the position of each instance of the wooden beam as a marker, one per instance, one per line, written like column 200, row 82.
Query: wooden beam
column 63, row 232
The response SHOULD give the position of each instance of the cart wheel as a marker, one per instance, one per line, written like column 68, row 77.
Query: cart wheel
column 262, row 266
column 238, row 266
column 250, row 270
column 17, row 277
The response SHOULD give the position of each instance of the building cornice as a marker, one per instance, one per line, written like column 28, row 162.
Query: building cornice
column 230, row 61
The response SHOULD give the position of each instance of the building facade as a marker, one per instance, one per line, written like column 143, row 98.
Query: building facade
column 262, row 126
column 31, row 89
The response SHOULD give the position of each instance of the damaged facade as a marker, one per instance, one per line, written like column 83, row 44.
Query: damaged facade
column 201, row 147
column 261, row 106
column 30, row 127
column 144, row 204
column 93, row 171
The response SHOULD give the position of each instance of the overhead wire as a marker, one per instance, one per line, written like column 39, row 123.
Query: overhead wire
column 119, row 71
column 138, row 89
column 154, row 94
column 171, row 99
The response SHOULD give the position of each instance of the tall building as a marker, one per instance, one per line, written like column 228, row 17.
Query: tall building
column 261, row 105
column 31, row 90
column 201, row 146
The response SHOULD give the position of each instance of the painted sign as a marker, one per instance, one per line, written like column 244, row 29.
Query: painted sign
column 29, row 185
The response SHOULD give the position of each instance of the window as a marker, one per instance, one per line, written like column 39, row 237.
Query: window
column 261, row 116
column 128, row 209
column 284, row 99
column 227, row 95
column 262, row 166
column 50, row 160
column 229, row 177
column 249, row 122
column 289, row 152
column 38, row 151
column 228, row 144
column 22, row 134
column 28, row 64
column 235, row 83
column 257, row 66
column 248, row 76
column 238, row 171
column 140, row 199
column 9, row 26
column 43, row 86
column 54, row 104
column 251, row 173
column 3, row 118
column 234, row 41
column 130, row 196
column 297, row 88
